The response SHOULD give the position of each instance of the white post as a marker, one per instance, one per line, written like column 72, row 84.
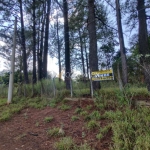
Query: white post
column 71, row 89
column 91, row 83
column 11, row 76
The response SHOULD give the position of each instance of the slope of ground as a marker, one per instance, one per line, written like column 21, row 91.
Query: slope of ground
column 28, row 130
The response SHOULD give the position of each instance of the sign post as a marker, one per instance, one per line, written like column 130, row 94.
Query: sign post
column 102, row 75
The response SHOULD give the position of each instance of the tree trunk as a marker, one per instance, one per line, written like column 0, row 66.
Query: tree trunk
column 58, row 43
column 67, row 49
column 46, row 40
column 25, row 71
column 122, row 47
column 143, row 42
column 82, row 56
column 38, row 49
column 34, row 45
column 93, row 59
column 41, row 46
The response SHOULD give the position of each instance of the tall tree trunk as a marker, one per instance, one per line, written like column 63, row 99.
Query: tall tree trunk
column 25, row 71
column 93, row 59
column 82, row 56
column 122, row 47
column 143, row 41
column 58, row 43
column 34, row 44
column 41, row 45
column 38, row 49
column 46, row 40
column 67, row 49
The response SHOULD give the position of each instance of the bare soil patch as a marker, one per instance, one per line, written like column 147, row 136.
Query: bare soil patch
column 28, row 130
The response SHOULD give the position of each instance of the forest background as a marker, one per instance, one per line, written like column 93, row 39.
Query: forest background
column 81, row 35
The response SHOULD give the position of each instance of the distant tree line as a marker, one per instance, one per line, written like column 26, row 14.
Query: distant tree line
column 86, row 35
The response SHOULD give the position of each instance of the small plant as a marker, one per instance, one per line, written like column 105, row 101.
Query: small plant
column 92, row 124
column 66, row 143
column 103, row 132
column 53, row 132
column 4, row 116
column 95, row 115
column 64, row 107
column 74, row 118
column 37, row 124
column 88, row 107
column 53, row 103
column 83, row 113
column 99, row 136
column 78, row 110
column 48, row 119
column 84, row 146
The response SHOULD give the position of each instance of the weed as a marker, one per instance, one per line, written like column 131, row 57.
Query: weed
column 74, row 118
column 5, row 115
column 64, row 107
column 88, row 107
column 99, row 136
column 92, row 124
column 95, row 115
column 78, row 110
column 83, row 113
column 53, row 132
column 48, row 119
column 103, row 132
column 66, row 143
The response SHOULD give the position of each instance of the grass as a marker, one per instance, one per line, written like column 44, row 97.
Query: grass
column 92, row 124
column 130, row 127
column 48, row 119
column 103, row 131
column 65, row 143
column 64, row 107
column 53, row 132
column 74, row 118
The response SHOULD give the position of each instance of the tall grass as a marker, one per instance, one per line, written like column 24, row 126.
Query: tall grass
column 3, row 90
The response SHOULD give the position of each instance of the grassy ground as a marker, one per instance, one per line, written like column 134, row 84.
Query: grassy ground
column 129, row 123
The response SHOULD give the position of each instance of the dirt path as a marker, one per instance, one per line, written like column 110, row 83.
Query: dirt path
column 28, row 130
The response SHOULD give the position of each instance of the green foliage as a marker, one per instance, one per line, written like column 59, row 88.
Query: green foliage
column 95, row 115
column 92, row 124
column 130, row 127
column 5, row 115
column 37, row 102
column 64, row 107
column 2, row 101
column 83, row 113
column 53, row 103
column 3, row 90
column 53, row 132
column 103, row 131
column 7, row 112
column 66, row 143
column 78, row 110
column 74, row 118
column 48, row 119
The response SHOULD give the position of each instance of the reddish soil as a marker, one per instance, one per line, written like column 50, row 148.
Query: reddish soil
column 28, row 130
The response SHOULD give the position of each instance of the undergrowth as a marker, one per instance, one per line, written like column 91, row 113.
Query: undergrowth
column 130, row 125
